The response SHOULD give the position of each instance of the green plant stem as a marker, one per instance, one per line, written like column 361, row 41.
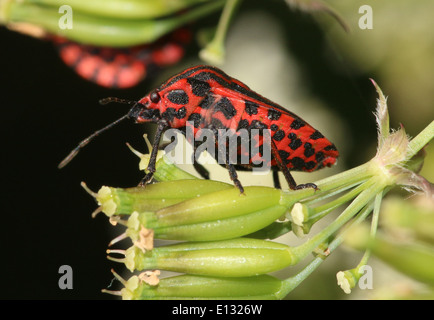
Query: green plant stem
column 215, row 50
column 223, row 25
column 320, row 211
column 374, row 226
column 291, row 283
column 348, row 177
column 371, row 189
column 421, row 140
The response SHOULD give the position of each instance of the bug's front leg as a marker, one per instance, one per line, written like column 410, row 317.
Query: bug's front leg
column 162, row 125
column 276, row 180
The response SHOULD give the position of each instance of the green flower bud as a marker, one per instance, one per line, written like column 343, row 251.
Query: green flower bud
column 239, row 257
column 165, row 170
column 300, row 215
column 348, row 279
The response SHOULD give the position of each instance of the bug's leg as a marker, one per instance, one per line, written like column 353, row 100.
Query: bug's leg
column 224, row 154
column 276, row 180
column 162, row 125
column 288, row 177
column 234, row 177
column 201, row 170
column 306, row 185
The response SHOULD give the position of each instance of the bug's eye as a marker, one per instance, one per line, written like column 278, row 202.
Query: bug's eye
column 155, row 97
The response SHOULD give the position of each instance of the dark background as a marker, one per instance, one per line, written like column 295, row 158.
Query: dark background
column 47, row 109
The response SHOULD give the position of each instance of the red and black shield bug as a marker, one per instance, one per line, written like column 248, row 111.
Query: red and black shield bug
column 205, row 97
column 122, row 67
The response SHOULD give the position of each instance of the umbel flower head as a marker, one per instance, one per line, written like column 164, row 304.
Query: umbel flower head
column 394, row 152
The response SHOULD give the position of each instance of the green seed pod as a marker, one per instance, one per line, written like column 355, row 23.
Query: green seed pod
column 414, row 260
column 102, row 31
column 410, row 218
column 116, row 201
column 272, row 231
column 239, row 257
column 218, row 215
column 124, row 9
column 215, row 229
column 200, row 287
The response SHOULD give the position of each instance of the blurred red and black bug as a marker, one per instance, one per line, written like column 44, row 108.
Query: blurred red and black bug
column 122, row 67
column 204, row 97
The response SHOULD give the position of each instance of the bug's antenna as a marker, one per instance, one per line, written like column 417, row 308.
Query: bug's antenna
column 118, row 100
column 87, row 140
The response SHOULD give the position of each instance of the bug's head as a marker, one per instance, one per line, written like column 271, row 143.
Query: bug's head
column 147, row 109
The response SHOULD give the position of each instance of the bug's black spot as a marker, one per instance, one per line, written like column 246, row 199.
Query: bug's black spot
column 330, row 148
column 217, row 124
column 243, row 124
column 274, row 127
column 279, row 135
column 203, row 76
column 196, row 118
column 199, row 88
column 207, row 102
column 310, row 165
column 145, row 113
column 316, row 135
column 297, row 124
column 181, row 113
column 251, row 108
column 225, row 106
column 283, row 156
column 256, row 124
column 274, row 114
column 292, row 136
column 178, row 96
column 319, row 156
column 308, row 150
column 298, row 163
column 235, row 86
column 295, row 144
column 169, row 114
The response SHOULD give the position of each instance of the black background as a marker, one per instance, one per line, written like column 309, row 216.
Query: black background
column 46, row 109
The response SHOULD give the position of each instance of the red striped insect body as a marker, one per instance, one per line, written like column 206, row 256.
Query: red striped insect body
column 205, row 97
column 122, row 67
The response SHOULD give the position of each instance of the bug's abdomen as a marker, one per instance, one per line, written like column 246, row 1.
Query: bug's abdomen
column 300, row 146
